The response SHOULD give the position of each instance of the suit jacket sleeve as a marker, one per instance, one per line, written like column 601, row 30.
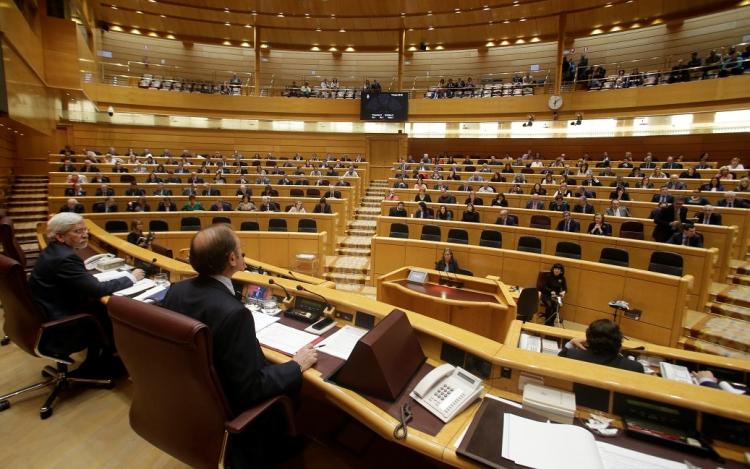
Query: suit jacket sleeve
column 73, row 274
column 250, row 378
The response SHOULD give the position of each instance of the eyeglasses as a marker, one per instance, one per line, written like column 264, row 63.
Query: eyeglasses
column 79, row 231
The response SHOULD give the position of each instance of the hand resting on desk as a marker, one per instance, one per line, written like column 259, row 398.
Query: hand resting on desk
column 306, row 357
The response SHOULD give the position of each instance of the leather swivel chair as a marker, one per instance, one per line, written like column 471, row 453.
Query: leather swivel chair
column 28, row 328
column 178, row 404
column 11, row 248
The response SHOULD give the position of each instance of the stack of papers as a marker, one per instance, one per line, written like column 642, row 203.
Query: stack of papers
column 111, row 275
column 550, row 347
column 262, row 320
column 284, row 338
column 341, row 343
column 138, row 287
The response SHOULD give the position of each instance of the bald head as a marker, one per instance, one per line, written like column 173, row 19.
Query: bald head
column 215, row 251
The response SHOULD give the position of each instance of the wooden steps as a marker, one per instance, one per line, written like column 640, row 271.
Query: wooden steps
column 725, row 331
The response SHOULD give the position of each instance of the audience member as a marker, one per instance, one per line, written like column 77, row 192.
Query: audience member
column 602, row 345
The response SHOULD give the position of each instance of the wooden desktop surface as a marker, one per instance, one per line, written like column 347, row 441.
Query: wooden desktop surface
column 446, row 292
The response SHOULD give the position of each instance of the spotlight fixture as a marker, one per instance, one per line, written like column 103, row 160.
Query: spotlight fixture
column 579, row 119
column 530, row 122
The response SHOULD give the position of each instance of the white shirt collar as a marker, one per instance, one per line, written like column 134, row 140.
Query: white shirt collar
column 226, row 281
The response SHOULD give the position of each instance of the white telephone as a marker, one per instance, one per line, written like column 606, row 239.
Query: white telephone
column 91, row 262
column 447, row 390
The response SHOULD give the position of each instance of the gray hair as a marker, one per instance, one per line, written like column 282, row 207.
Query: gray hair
column 61, row 223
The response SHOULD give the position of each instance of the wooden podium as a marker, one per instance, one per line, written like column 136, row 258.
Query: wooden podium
column 480, row 305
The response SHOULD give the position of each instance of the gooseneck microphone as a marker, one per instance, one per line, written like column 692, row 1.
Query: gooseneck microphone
column 301, row 288
column 287, row 296
column 291, row 274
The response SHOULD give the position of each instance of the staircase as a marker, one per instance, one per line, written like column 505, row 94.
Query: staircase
column 723, row 327
column 27, row 206
column 350, row 267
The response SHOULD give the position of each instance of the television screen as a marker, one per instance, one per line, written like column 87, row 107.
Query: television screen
column 384, row 107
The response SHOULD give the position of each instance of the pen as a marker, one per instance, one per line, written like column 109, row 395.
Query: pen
column 319, row 346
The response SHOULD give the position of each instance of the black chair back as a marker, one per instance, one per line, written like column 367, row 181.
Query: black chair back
column 116, row 226
column 430, row 233
column 615, row 256
column 296, row 193
column 399, row 230
column 312, row 192
column 217, row 220
column 491, row 239
column 307, row 225
column 568, row 249
column 540, row 221
column 530, row 244
column 527, row 304
column 665, row 262
column 632, row 230
column 458, row 236
column 249, row 226
column 277, row 224
column 190, row 224
column 158, row 225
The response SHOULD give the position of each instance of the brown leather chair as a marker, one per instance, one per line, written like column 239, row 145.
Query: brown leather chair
column 11, row 248
column 27, row 326
column 178, row 404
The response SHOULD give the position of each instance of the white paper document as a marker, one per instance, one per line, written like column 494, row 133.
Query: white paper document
column 341, row 343
column 262, row 320
column 151, row 292
column 112, row 274
column 569, row 447
column 284, row 338
column 139, row 286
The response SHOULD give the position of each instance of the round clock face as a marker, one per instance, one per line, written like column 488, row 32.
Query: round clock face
column 555, row 102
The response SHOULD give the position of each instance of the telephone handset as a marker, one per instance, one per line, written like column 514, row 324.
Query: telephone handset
column 91, row 262
column 446, row 391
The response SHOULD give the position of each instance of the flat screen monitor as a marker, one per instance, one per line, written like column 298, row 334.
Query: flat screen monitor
column 383, row 106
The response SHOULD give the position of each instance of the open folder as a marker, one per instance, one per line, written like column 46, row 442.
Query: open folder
column 569, row 447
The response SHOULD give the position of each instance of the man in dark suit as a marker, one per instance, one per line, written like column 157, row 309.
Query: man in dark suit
column 647, row 163
column 671, row 164
column 568, row 223
column 583, row 206
column 134, row 191
column 398, row 211
column 108, row 206
column 75, row 191
column 669, row 219
column 61, row 285
column 105, row 191
column 506, row 219
column 708, row 217
column 210, row 191
column 730, row 200
column 162, row 191
column 73, row 206
column 267, row 206
column 246, row 376
column 688, row 237
column 601, row 346
column 535, row 203
column 663, row 196
column 166, row 205
column 221, row 206
column 446, row 197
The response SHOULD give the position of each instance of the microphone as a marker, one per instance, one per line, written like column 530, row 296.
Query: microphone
column 301, row 288
column 291, row 274
column 442, row 281
column 287, row 296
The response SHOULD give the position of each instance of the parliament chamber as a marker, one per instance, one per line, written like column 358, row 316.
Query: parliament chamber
column 443, row 203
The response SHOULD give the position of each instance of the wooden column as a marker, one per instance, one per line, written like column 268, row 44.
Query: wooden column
column 256, row 46
column 561, row 20
column 401, row 52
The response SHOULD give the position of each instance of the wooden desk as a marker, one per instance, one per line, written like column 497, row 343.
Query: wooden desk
column 501, row 368
column 481, row 305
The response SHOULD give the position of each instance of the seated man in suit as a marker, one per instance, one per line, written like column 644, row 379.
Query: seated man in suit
column 342, row 182
column 559, row 204
column 708, row 217
column 669, row 220
column 166, row 205
column 582, row 191
column 730, row 200
column 583, row 206
column 162, row 191
column 208, row 190
column 134, row 191
column 105, row 190
column 601, row 346
column 108, row 206
column 245, row 375
column 473, row 199
column 615, row 209
column 675, row 183
column 61, row 285
column 536, row 203
column 267, row 206
column 568, row 223
column 671, row 164
column 75, row 191
column 688, row 237
column 398, row 211
column 424, row 211
column 221, row 206
column 332, row 194
column 322, row 206
column 506, row 219
column 446, row 197
column 72, row 205
column 663, row 196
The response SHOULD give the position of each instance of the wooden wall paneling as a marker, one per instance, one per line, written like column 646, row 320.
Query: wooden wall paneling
column 7, row 152
column 382, row 152
column 61, row 64
column 19, row 35
column 29, row 101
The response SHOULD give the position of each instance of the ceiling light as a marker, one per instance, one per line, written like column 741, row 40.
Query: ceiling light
column 227, row 24
column 170, row 36
column 439, row 47
column 135, row 31
column 317, row 29
column 315, row 49
column 412, row 49
column 139, row 12
column 115, row 28
column 490, row 44
column 245, row 44
column 522, row 20
column 342, row 30
column 332, row 49
column 350, row 49
column 248, row 26
column 486, row 8
column 153, row 34
column 114, row 7
column 162, row 16
column 264, row 45
column 430, row 28
column 226, row 43
column 280, row 15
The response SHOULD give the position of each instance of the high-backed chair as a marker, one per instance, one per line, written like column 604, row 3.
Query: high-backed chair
column 307, row 225
column 249, row 226
column 399, row 230
column 28, row 327
column 312, row 192
column 296, row 193
column 615, row 256
column 430, row 233
column 530, row 244
column 11, row 248
column 491, row 239
column 218, row 220
column 458, row 236
column 277, row 224
column 164, row 251
column 665, row 262
column 540, row 221
column 568, row 249
column 527, row 304
column 631, row 230
column 158, row 225
column 178, row 404
column 190, row 224
column 116, row 226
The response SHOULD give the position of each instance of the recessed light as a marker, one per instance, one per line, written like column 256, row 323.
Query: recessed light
column 226, row 10
column 522, row 20
column 248, row 26
column 307, row 15
column 403, row 14
column 170, row 36
column 317, row 30
column 332, row 49
column 535, row 39
column 410, row 29
column 333, row 15
column 350, row 49
column 439, row 47
column 153, row 34
column 135, row 31
column 115, row 28
column 412, row 49
column 264, row 46
column 280, row 15
column 162, row 16
column 139, row 12
column 114, row 7
column 430, row 28
column 315, row 49
column 226, row 43
column 245, row 44
column 342, row 30
column 429, row 13
column 151, row 1
column 227, row 24
column 457, row 10
column 486, row 8
column 506, row 21
column 490, row 44
column 607, row 5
